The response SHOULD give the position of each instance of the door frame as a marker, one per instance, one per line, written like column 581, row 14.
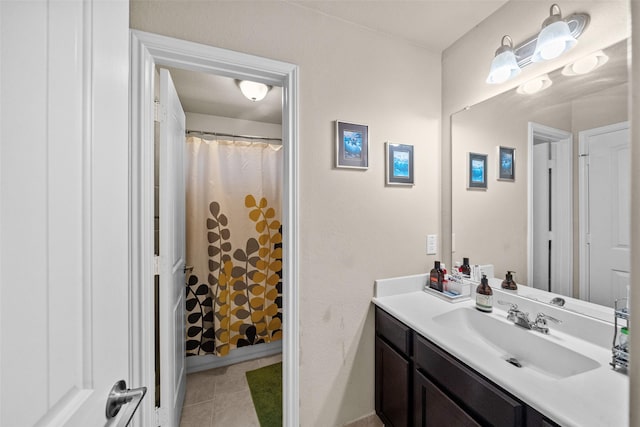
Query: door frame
column 583, row 191
column 148, row 50
column 536, row 129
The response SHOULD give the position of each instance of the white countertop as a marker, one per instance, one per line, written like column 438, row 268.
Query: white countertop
column 598, row 397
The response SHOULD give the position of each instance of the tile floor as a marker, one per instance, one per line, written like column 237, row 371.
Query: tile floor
column 226, row 390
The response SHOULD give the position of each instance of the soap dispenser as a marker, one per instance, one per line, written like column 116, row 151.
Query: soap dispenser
column 465, row 269
column 508, row 282
column 484, row 295
column 436, row 277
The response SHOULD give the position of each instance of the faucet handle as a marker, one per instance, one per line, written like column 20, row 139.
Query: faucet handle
column 542, row 318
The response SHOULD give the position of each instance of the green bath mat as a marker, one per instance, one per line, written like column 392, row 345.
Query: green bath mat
column 266, row 390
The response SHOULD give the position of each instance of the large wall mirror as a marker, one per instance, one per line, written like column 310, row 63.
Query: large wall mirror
column 556, row 204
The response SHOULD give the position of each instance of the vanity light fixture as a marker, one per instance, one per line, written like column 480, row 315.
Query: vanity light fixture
column 504, row 65
column 552, row 40
column 555, row 37
column 536, row 85
column 586, row 65
column 253, row 91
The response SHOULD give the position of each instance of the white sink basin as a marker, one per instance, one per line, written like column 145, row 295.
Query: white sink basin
column 529, row 348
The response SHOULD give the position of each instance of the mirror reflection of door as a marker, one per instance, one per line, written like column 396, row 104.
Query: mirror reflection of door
column 550, row 209
column 605, row 211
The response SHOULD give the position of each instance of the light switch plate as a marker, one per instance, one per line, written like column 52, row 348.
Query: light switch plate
column 432, row 244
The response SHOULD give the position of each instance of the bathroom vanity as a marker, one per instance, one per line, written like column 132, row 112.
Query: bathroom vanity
column 441, row 363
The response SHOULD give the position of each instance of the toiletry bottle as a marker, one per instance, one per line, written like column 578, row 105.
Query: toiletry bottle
column 435, row 277
column 508, row 282
column 465, row 269
column 484, row 295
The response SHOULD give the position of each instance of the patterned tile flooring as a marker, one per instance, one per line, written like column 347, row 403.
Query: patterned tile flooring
column 220, row 397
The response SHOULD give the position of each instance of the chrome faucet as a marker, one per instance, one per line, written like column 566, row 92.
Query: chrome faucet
column 521, row 318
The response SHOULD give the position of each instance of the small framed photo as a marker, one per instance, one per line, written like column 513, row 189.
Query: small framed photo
column 506, row 164
column 399, row 164
column 477, row 171
column 352, row 145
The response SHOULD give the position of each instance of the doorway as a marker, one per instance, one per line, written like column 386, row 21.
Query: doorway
column 232, row 150
column 550, row 209
column 149, row 51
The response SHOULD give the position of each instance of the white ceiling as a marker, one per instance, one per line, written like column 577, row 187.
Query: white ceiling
column 432, row 24
column 220, row 96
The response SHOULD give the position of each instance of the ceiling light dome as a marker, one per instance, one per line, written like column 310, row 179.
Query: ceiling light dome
column 536, row 85
column 555, row 37
column 586, row 65
column 504, row 65
column 253, row 91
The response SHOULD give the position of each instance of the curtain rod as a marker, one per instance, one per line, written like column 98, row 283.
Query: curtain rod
column 215, row 134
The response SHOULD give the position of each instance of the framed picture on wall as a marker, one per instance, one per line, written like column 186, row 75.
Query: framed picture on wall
column 506, row 164
column 352, row 145
column 477, row 171
column 399, row 164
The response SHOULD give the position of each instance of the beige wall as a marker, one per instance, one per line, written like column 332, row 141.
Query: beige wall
column 491, row 226
column 465, row 64
column 353, row 228
column 464, row 85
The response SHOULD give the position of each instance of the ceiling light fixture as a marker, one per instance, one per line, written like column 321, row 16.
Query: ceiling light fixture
column 555, row 37
column 504, row 65
column 586, row 65
column 552, row 41
column 536, row 85
column 253, row 91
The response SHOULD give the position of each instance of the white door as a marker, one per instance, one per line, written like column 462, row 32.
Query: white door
column 606, row 152
column 172, row 253
column 64, row 292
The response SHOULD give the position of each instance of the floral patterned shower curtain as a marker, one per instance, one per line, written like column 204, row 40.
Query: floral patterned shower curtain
column 234, row 243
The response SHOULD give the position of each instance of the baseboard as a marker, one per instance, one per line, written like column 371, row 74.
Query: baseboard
column 371, row 420
column 242, row 354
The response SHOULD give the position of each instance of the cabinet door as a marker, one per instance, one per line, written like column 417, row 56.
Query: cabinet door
column 433, row 408
column 392, row 385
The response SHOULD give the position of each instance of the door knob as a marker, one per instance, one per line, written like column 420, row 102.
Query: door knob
column 120, row 396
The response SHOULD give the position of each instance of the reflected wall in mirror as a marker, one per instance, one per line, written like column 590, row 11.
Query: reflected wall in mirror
column 573, row 133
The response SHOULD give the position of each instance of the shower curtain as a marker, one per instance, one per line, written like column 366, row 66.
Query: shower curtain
column 234, row 243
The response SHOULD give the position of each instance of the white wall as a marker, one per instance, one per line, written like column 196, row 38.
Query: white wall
column 353, row 228
column 208, row 123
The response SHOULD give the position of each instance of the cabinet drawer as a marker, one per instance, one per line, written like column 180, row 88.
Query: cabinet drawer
column 395, row 332
column 486, row 401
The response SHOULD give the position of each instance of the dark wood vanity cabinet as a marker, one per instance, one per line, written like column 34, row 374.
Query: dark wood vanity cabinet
column 419, row 384
column 393, row 370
